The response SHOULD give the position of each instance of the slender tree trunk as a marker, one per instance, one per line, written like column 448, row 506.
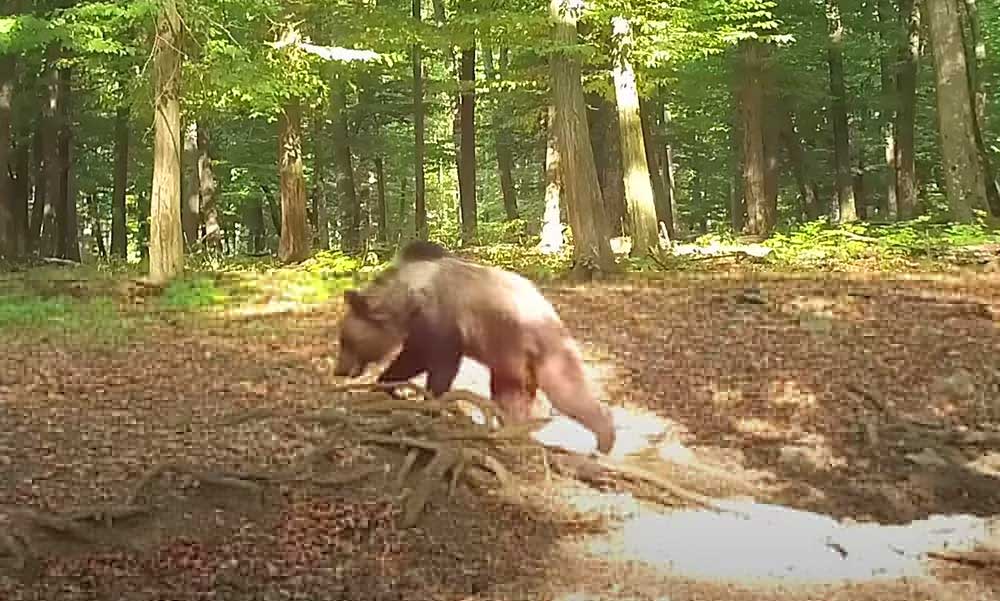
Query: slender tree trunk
column 552, row 227
column 191, row 204
column 254, row 220
column 21, row 191
column 346, row 190
column 467, row 173
column 119, row 228
column 166, row 237
column 838, row 114
column 651, row 143
column 8, row 240
column 35, row 243
column 605, row 142
column 419, row 191
column 906, row 90
column 207, row 194
column 294, row 245
column 50, row 127
column 273, row 209
column 759, row 222
column 380, row 206
column 797, row 160
column 975, row 55
column 67, row 216
column 501, row 138
column 964, row 179
column 667, row 166
column 320, row 211
column 592, row 249
column 888, row 26
column 95, row 216
column 737, row 142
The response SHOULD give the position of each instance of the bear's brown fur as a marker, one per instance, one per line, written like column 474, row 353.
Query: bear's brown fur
column 431, row 308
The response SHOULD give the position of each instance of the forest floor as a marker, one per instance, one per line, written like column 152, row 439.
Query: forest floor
column 858, row 411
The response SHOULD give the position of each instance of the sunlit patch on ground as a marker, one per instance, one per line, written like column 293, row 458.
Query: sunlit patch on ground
column 783, row 544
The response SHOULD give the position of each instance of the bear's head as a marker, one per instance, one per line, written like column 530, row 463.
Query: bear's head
column 373, row 329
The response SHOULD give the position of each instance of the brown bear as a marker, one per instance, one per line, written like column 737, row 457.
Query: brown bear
column 432, row 308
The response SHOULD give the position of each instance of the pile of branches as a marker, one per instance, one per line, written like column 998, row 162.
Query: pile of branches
column 458, row 438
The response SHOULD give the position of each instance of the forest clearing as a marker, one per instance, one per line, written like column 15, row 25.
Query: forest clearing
column 745, row 252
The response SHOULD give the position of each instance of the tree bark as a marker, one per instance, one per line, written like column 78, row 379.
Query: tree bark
column 253, row 218
column 166, row 237
column 35, row 242
column 295, row 243
column 964, row 178
column 8, row 244
column 667, row 166
column 760, row 221
column 552, row 228
column 906, row 109
column 887, row 27
column 838, row 114
column 95, row 215
column 350, row 235
column 321, row 216
column 381, row 210
column 191, row 202
column 797, row 158
column 419, row 188
column 605, row 142
column 67, row 217
column 208, row 202
column 119, row 227
column 975, row 54
column 467, row 171
column 591, row 247
column 21, row 192
column 501, row 137
column 52, row 165
column 664, row 216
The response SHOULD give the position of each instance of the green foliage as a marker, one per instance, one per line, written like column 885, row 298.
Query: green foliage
column 819, row 245
column 96, row 319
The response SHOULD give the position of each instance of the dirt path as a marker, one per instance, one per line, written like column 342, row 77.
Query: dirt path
column 868, row 400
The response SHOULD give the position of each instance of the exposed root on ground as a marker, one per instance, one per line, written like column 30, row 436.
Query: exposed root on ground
column 440, row 448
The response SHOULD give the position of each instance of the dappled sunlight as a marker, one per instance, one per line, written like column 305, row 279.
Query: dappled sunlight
column 776, row 543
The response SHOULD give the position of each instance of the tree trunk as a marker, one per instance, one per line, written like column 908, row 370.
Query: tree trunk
column 350, row 235
column 95, row 215
column 797, row 158
column 975, row 54
column 906, row 110
column 41, row 187
column 208, row 202
column 320, row 211
column 667, row 167
column 253, row 218
column 166, row 237
column 888, row 26
column 50, row 128
column 760, row 221
column 964, row 178
column 552, row 229
column 294, row 245
column 605, row 142
column 737, row 142
column 8, row 244
column 501, row 138
column 639, row 195
column 592, row 249
column 21, row 191
column 664, row 216
column 467, row 172
column 380, row 207
column 191, row 202
column 119, row 227
column 67, row 217
column 419, row 188
column 838, row 114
